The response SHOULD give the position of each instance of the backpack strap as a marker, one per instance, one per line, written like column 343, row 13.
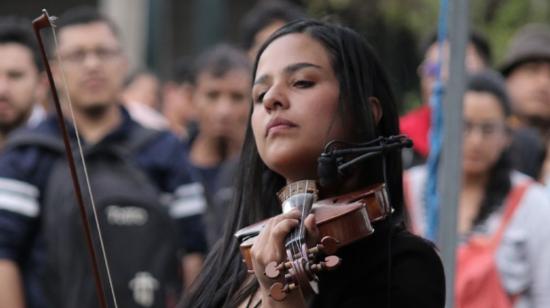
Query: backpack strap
column 34, row 138
column 140, row 136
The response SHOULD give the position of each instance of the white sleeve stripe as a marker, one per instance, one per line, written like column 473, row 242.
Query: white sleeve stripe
column 18, row 187
column 189, row 190
column 18, row 204
column 188, row 207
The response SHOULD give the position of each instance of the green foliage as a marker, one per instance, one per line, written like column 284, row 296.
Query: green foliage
column 385, row 21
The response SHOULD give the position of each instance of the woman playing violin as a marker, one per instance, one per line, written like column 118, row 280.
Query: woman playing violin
column 314, row 83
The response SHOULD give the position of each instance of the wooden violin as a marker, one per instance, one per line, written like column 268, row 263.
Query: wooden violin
column 341, row 220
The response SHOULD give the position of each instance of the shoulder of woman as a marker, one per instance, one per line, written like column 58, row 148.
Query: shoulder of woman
column 416, row 172
column 418, row 274
column 406, row 243
column 414, row 180
column 534, row 208
column 536, row 197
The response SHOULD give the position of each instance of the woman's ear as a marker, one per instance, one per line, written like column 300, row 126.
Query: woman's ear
column 376, row 108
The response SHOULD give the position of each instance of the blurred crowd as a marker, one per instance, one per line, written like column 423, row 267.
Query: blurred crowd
column 185, row 135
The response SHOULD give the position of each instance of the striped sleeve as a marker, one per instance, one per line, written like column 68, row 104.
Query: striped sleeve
column 188, row 201
column 187, row 208
column 21, row 173
column 19, row 197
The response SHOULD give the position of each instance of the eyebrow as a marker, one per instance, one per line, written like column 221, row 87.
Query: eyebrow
column 289, row 70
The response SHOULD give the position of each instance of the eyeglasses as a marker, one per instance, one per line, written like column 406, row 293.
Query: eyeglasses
column 102, row 54
column 487, row 129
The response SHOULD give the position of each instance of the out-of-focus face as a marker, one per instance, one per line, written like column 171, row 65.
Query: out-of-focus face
column 428, row 69
column 529, row 88
column 262, row 36
column 296, row 97
column 93, row 63
column 485, row 136
column 19, row 85
column 177, row 105
column 222, row 104
column 144, row 89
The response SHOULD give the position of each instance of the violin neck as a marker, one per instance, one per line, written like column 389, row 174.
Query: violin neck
column 299, row 195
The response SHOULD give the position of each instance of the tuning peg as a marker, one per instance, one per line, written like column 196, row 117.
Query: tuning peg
column 273, row 270
column 330, row 262
column 329, row 245
column 278, row 291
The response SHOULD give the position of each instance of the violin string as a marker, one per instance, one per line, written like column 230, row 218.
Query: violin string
column 302, row 220
column 85, row 169
column 295, row 246
column 292, row 237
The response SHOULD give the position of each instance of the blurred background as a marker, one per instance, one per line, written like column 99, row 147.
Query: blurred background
column 157, row 32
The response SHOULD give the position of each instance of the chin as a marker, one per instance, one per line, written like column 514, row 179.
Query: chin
column 95, row 110
column 475, row 170
column 95, row 103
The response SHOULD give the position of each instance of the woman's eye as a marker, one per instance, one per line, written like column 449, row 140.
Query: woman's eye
column 260, row 97
column 303, row 84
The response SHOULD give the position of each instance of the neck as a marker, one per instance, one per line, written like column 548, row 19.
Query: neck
column 95, row 125
column 470, row 201
column 474, row 181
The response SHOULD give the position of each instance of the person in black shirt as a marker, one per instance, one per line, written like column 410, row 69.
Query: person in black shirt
column 315, row 82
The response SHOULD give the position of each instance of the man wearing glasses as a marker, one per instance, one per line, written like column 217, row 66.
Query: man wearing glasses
column 93, row 66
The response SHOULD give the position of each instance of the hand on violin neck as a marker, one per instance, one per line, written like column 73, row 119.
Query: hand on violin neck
column 312, row 236
column 270, row 247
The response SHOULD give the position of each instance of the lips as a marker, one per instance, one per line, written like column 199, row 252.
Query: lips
column 93, row 82
column 278, row 124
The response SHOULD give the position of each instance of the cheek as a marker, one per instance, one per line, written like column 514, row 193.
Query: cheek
column 119, row 72
column 334, row 126
column 519, row 86
column 489, row 152
column 256, row 121
column 23, row 89
column 241, row 111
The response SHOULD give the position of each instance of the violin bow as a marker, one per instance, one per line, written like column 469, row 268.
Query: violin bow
column 45, row 21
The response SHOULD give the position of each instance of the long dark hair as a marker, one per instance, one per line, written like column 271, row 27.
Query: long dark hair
column 360, row 75
column 499, row 182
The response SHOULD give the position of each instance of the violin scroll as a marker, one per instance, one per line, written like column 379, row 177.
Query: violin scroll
column 299, row 272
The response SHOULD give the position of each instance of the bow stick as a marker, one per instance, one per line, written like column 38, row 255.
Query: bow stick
column 43, row 22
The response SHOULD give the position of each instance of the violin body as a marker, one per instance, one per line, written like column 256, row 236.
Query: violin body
column 341, row 220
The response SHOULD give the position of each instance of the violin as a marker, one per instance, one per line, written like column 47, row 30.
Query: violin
column 341, row 220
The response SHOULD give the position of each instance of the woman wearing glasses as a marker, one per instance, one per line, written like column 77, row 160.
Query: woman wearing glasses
column 504, row 236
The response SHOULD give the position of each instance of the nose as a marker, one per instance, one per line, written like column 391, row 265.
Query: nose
column 473, row 136
column 91, row 60
column 275, row 98
column 224, row 108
